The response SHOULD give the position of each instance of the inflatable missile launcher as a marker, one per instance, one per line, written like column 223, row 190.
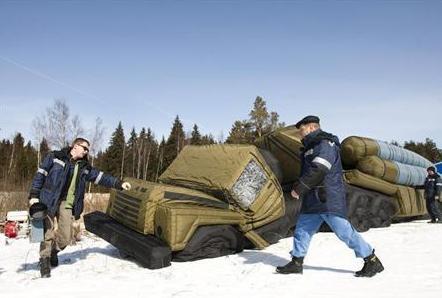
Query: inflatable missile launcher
column 389, row 170
column 380, row 177
column 219, row 199
column 211, row 201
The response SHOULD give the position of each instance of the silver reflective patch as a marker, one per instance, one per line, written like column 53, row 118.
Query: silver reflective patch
column 249, row 184
column 308, row 152
column 60, row 162
column 322, row 161
column 97, row 180
column 42, row 171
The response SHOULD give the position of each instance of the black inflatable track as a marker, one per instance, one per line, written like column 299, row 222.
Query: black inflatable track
column 211, row 242
column 148, row 251
column 369, row 209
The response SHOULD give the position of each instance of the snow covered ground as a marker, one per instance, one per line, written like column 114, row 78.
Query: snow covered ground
column 411, row 253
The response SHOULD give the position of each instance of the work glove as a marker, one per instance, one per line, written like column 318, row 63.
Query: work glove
column 32, row 201
column 125, row 186
column 437, row 198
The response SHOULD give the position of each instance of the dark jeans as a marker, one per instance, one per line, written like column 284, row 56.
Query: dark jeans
column 433, row 209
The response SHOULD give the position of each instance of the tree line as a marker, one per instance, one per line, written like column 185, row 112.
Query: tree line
column 139, row 154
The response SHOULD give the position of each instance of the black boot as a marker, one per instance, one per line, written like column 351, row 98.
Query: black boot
column 54, row 258
column 45, row 267
column 294, row 266
column 372, row 265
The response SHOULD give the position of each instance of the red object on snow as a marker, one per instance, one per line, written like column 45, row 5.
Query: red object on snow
column 11, row 229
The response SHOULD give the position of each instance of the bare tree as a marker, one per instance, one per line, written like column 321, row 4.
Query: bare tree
column 76, row 128
column 122, row 164
column 140, row 147
column 38, row 129
column 134, row 157
column 146, row 159
column 11, row 161
column 221, row 137
column 96, row 139
column 56, row 126
column 58, row 120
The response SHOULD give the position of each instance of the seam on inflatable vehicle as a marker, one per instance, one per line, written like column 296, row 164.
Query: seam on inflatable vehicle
column 205, row 202
column 283, row 148
column 385, row 169
column 365, row 149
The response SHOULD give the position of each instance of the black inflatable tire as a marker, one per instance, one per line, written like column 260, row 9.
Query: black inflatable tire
column 211, row 242
column 369, row 209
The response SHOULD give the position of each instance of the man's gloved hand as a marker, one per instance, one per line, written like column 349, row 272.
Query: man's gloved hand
column 125, row 186
column 32, row 201
column 437, row 198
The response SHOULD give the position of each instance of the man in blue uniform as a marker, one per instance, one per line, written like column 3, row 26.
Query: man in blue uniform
column 322, row 190
column 433, row 189
column 58, row 187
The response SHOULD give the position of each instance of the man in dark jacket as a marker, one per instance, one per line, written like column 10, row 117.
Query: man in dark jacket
column 59, row 186
column 432, row 192
column 322, row 190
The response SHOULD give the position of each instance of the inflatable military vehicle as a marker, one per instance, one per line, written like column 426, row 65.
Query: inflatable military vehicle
column 211, row 201
column 220, row 199
column 380, row 177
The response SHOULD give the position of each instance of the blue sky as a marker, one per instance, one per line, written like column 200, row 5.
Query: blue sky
column 370, row 68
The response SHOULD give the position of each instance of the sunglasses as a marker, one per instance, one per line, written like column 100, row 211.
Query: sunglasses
column 86, row 149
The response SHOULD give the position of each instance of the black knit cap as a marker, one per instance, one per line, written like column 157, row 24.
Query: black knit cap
column 431, row 169
column 306, row 120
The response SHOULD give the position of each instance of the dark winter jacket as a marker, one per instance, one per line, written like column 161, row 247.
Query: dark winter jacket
column 432, row 186
column 53, row 177
column 321, row 186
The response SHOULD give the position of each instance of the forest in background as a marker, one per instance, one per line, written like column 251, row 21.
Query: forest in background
column 136, row 154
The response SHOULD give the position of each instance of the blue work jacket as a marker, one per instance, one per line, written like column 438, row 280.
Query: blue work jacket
column 327, row 195
column 53, row 176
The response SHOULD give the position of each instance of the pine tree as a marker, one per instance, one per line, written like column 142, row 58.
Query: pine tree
column 160, row 159
column 29, row 164
column 259, row 116
column 43, row 150
column 141, row 143
column 261, row 120
column 274, row 122
column 427, row 149
column 207, row 140
column 175, row 142
column 240, row 133
column 131, row 155
column 114, row 156
column 149, row 153
column 17, row 149
column 196, row 136
column 260, row 123
column 5, row 151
